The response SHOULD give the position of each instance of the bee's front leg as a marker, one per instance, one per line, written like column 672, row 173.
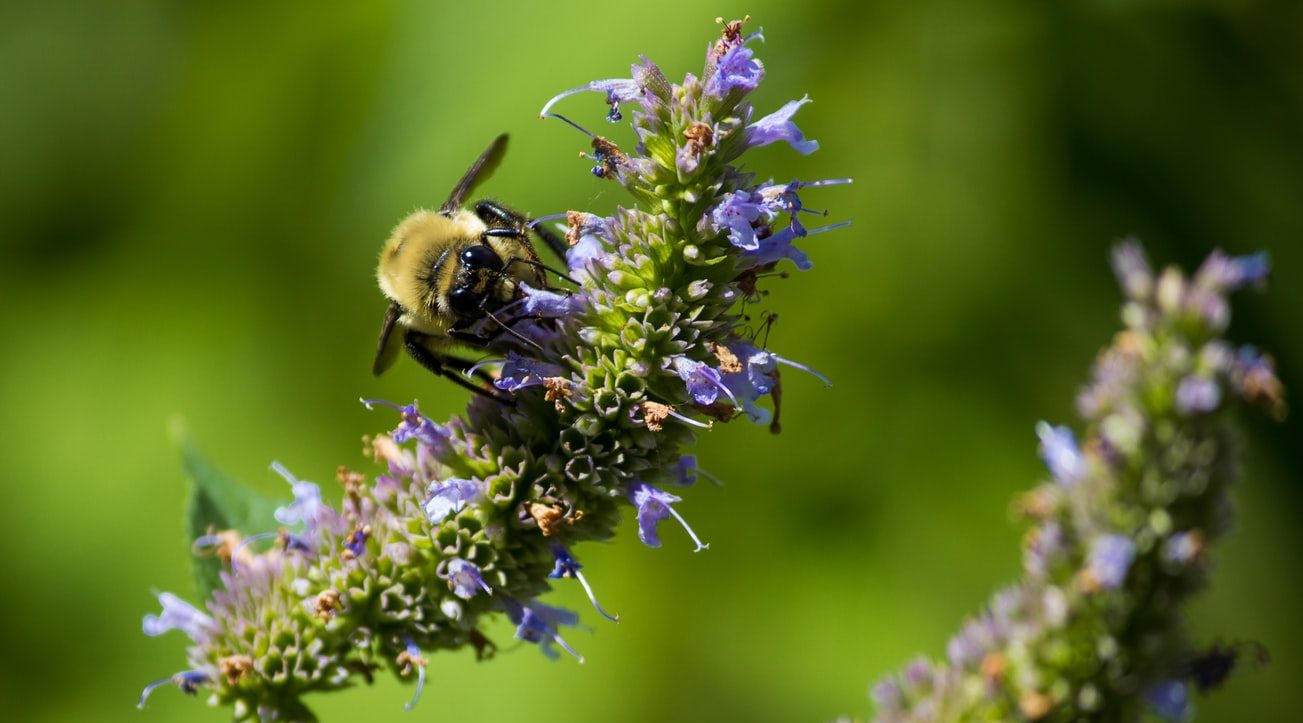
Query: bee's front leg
column 510, row 223
column 448, row 367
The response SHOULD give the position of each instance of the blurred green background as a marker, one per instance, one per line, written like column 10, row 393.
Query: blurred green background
column 192, row 197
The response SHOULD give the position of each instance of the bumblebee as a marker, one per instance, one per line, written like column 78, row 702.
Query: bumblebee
column 447, row 271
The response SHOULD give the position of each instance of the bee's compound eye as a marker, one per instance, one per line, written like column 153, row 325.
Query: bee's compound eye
column 464, row 302
column 480, row 257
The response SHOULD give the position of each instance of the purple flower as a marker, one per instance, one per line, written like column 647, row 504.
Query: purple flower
column 1197, row 395
column 1043, row 547
column 737, row 69
column 567, row 566
column 588, row 250
column 1110, row 559
column 549, row 304
column 760, row 369
column 449, row 497
column 778, row 126
column 1222, row 272
column 1170, row 700
column 702, row 380
column 414, row 425
column 463, row 577
column 1183, row 547
column 653, row 506
column 520, row 372
column 178, row 615
column 617, row 90
column 187, row 680
column 686, row 470
column 778, row 246
column 1058, row 449
column 783, row 198
column 887, row 695
column 306, row 507
column 356, row 542
column 537, row 623
column 737, row 215
column 1132, row 269
column 408, row 659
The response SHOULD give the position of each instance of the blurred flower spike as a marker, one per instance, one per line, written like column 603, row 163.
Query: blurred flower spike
column 1094, row 630
column 607, row 384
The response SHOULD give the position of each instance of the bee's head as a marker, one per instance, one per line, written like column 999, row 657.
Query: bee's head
column 478, row 282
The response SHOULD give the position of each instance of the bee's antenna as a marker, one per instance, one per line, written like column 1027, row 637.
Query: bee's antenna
column 573, row 124
column 511, row 331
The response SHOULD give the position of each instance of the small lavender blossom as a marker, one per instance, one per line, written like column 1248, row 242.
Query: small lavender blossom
column 737, row 215
column 538, row 623
column 463, row 578
column 520, row 372
column 1183, row 547
column 178, row 615
column 1132, row 270
column 568, row 566
column 307, row 507
column 686, row 471
column 738, row 69
column 450, row 497
column 617, row 90
column 778, row 246
column 414, row 425
column 1170, row 700
column 187, row 680
column 653, row 506
column 778, row 126
column 412, row 658
column 1059, row 451
column 703, row 381
column 1228, row 273
column 1110, row 559
column 1197, row 395
column 549, row 304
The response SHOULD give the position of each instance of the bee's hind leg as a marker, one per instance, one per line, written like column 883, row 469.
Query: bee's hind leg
column 448, row 367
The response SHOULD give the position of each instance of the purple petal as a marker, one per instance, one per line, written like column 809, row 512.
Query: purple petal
column 549, row 304
column 617, row 90
column 737, row 69
column 177, row 615
column 778, row 126
column 1110, row 559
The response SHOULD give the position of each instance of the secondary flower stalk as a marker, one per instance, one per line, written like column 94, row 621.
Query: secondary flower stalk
column 1119, row 537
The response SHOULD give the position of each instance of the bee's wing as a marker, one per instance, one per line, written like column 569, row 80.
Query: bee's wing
column 480, row 170
column 390, row 343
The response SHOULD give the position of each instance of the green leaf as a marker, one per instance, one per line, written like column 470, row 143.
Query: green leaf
column 219, row 503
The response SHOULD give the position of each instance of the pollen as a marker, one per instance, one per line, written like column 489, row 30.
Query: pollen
column 730, row 35
column 351, row 481
column 994, row 665
column 700, row 137
column 558, row 389
column 327, row 604
column 548, row 517
column 728, row 361
column 1035, row 705
column 654, row 415
column 574, row 226
column 407, row 661
column 235, row 667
